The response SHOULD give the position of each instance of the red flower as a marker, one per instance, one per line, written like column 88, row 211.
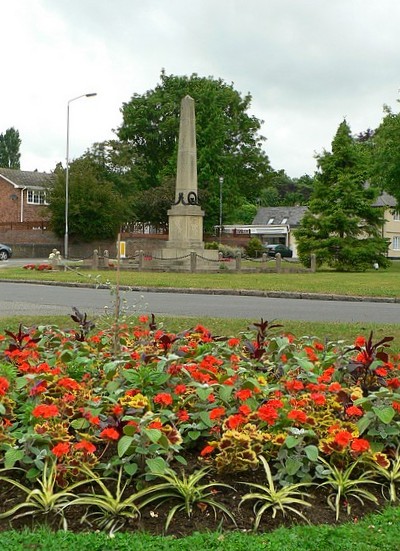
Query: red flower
column 360, row 445
column 61, row 449
column 396, row 406
column 360, row 341
column 207, row 450
column 244, row 409
column 163, row 398
column 4, row 386
column 183, row 415
column 217, row 413
column 143, row 319
column 68, row 383
column 243, row 394
column 234, row 421
column 180, row 389
column 311, row 354
column 318, row 399
column 155, row 425
column 381, row 372
column 297, row 415
column 109, row 434
column 294, row 385
column 335, row 387
column 233, row 342
column 354, row 410
column 86, row 446
column 46, row 411
column 117, row 410
column 393, row 383
column 343, row 438
column 268, row 414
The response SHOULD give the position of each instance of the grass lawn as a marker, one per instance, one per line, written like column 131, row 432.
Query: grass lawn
column 381, row 283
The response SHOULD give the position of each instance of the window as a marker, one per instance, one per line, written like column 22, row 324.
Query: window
column 396, row 243
column 396, row 215
column 284, row 220
column 271, row 221
column 36, row 197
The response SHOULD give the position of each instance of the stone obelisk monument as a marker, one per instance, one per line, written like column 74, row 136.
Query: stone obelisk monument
column 185, row 217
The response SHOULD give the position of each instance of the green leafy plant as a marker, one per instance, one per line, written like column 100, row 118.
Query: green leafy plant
column 189, row 490
column 45, row 499
column 270, row 497
column 344, row 486
column 110, row 509
column 390, row 474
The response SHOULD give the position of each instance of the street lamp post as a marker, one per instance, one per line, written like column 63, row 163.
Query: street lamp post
column 221, row 181
column 67, row 173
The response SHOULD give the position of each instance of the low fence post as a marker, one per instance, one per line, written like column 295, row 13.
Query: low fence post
column 193, row 261
column 313, row 263
column 95, row 260
column 238, row 260
column 278, row 260
column 141, row 260
column 106, row 259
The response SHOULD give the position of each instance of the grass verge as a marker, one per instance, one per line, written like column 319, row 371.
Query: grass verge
column 375, row 532
column 382, row 283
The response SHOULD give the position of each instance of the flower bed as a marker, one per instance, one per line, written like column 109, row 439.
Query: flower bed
column 179, row 425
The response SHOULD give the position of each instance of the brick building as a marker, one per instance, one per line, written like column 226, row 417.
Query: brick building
column 23, row 196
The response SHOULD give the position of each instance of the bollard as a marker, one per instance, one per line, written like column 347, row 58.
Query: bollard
column 238, row 260
column 106, row 259
column 313, row 263
column 95, row 260
column 278, row 261
column 193, row 261
column 141, row 260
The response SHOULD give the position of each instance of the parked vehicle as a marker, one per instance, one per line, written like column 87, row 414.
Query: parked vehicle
column 5, row 251
column 284, row 251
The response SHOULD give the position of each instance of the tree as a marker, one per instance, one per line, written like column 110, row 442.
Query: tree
column 96, row 209
column 386, row 154
column 228, row 141
column 9, row 149
column 341, row 227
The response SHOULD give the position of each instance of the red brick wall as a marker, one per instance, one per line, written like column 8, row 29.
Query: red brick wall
column 10, row 209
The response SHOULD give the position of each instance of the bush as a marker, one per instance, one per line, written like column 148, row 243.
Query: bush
column 254, row 248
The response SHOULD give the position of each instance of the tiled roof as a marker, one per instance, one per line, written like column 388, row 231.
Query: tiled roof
column 293, row 215
column 385, row 200
column 25, row 178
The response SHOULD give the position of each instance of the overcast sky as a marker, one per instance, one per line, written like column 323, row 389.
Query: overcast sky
column 306, row 63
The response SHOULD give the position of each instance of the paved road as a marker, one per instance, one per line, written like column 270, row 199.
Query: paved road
column 21, row 299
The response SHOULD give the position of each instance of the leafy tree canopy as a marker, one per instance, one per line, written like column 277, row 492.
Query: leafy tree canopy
column 386, row 154
column 228, row 142
column 10, row 143
column 341, row 226
column 96, row 208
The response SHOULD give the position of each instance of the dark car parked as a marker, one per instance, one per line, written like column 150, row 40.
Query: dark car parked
column 5, row 251
column 284, row 251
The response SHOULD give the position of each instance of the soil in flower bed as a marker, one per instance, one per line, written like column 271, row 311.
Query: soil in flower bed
column 153, row 518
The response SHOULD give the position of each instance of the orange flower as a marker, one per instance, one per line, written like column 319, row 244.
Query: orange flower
column 268, row 414
column 243, row 394
column 234, row 421
column 86, row 446
column 207, row 450
column 360, row 341
column 61, row 449
column 163, row 398
column 217, row 413
column 4, row 386
column 109, row 434
column 354, row 410
column 45, row 411
column 343, row 438
column 360, row 445
column 297, row 415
